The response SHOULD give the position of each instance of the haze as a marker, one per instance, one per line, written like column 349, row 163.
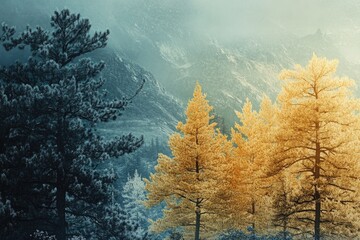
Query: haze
column 226, row 20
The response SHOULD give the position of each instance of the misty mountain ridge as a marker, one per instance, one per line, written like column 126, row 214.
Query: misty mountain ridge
column 152, row 112
column 230, row 71
column 159, row 37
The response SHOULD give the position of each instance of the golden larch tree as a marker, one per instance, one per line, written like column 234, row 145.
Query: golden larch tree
column 253, row 138
column 195, row 182
column 318, row 145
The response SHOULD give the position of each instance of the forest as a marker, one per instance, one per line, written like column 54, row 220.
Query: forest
column 286, row 168
column 289, row 170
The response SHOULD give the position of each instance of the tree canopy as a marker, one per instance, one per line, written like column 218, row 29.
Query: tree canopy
column 49, row 151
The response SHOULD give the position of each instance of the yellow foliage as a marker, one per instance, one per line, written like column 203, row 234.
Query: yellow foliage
column 197, row 178
column 317, row 142
column 292, row 166
column 253, row 139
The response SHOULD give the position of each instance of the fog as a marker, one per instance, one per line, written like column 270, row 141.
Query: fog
column 267, row 17
column 225, row 19
column 164, row 35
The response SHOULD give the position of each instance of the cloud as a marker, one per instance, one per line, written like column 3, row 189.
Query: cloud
column 234, row 17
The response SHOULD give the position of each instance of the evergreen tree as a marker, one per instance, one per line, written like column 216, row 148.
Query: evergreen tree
column 49, row 149
column 134, row 196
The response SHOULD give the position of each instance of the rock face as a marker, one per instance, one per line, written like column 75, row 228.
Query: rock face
column 158, row 36
column 152, row 112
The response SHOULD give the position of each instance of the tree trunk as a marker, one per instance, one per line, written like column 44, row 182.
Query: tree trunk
column 3, row 133
column 317, row 219
column 317, row 173
column 317, row 194
column 286, row 216
column 253, row 223
column 197, row 206
column 285, row 230
column 60, row 207
column 60, row 185
column 197, row 223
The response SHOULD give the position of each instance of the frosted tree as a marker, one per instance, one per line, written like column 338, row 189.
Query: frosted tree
column 118, row 225
column 195, row 183
column 254, row 146
column 318, row 143
column 49, row 151
column 134, row 196
column 7, row 216
column 41, row 235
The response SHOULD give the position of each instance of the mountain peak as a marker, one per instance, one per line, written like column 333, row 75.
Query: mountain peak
column 319, row 33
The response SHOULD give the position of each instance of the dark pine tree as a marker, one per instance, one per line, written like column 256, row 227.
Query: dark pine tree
column 51, row 157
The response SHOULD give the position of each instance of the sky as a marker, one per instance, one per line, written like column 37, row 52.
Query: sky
column 232, row 19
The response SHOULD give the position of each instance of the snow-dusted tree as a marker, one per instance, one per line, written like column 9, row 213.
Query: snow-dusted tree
column 7, row 217
column 49, row 152
column 41, row 235
column 117, row 224
column 134, row 196
column 318, row 142
column 194, row 183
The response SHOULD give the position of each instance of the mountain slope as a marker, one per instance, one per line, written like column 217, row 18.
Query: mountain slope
column 229, row 70
column 152, row 112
